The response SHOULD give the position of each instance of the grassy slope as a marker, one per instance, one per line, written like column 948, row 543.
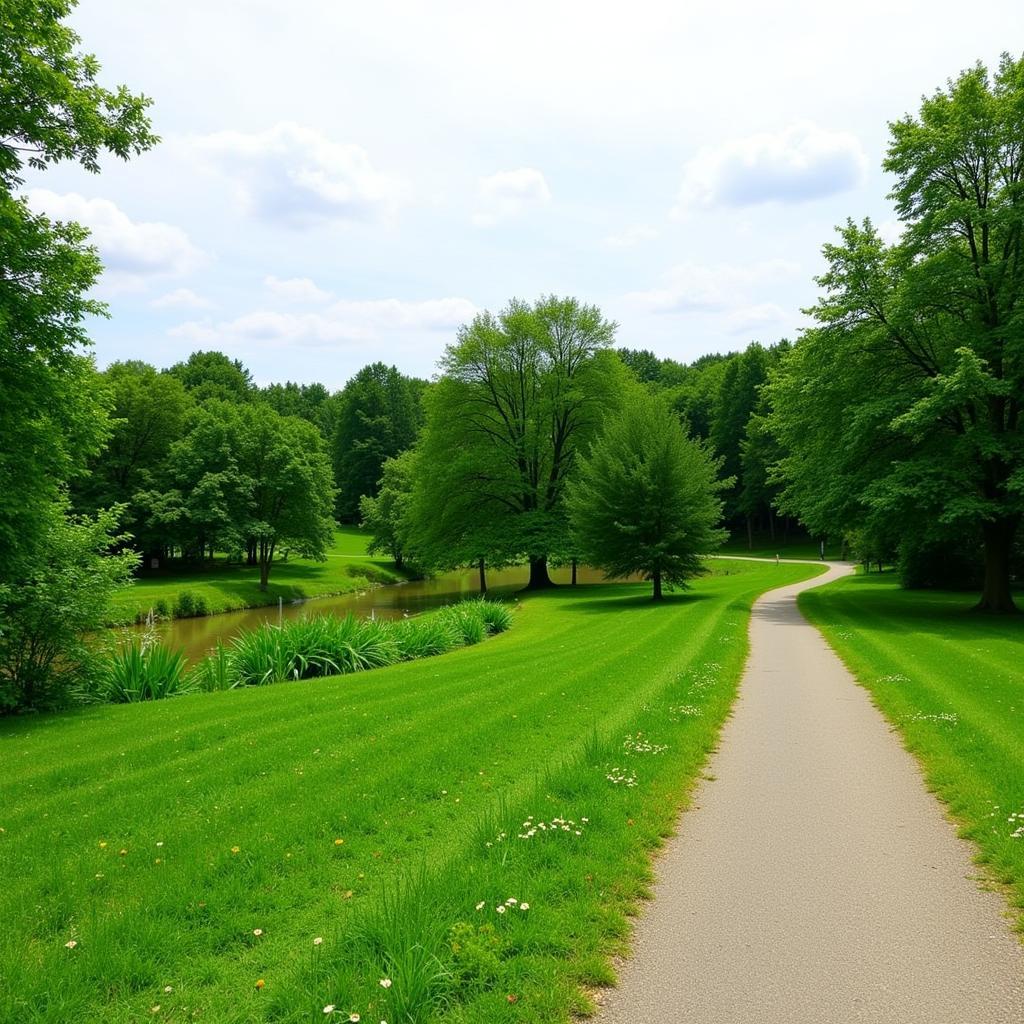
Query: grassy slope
column 229, row 587
column 952, row 682
column 417, row 768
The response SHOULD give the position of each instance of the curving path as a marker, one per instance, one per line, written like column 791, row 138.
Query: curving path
column 816, row 881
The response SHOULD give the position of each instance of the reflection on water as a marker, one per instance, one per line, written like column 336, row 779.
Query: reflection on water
column 394, row 601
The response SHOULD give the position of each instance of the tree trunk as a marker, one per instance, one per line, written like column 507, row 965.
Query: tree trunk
column 539, row 578
column 250, row 552
column 657, row 585
column 574, row 572
column 483, row 576
column 995, row 595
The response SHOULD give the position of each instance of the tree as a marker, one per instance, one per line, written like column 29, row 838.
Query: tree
column 645, row 498
column 287, row 478
column 378, row 417
column 906, row 402
column 520, row 393
column 52, row 412
column 386, row 516
column 149, row 414
column 207, row 375
column 63, row 590
column 51, row 106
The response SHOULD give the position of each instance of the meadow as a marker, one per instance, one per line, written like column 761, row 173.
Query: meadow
column 951, row 681
column 222, row 586
column 461, row 838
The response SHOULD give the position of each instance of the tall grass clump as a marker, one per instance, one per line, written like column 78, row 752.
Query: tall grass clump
column 143, row 668
column 215, row 671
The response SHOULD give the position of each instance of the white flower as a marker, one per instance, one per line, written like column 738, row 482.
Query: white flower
column 329, row 1008
column 524, row 906
column 481, row 904
column 71, row 944
column 318, row 941
column 385, row 983
column 257, row 932
column 354, row 1018
column 168, row 988
column 500, row 908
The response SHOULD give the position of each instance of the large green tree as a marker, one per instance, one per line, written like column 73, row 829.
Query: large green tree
column 645, row 499
column 377, row 417
column 207, row 375
column 519, row 395
column 52, row 411
column 905, row 403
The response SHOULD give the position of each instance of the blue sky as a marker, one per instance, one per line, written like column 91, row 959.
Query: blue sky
column 342, row 182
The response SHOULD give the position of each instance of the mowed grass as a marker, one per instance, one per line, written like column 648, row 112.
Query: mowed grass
column 952, row 682
column 194, row 848
column 228, row 587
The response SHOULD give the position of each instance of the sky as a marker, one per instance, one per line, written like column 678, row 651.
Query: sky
column 342, row 182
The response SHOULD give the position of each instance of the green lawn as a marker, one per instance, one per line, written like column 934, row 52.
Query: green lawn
column 375, row 812
column 226, row 587
column 764, row 547
column 952, row 682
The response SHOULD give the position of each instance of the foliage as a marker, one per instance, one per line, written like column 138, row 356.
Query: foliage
column 52, row 107
column 189, row 605
column 645, row 499
column 142, row 668
column 61, row 592
column 377, row 418
column 388, row 763
column 207, row 375
column 520, row 394
column 905, row 404
column 52, row 408
column 386, row 516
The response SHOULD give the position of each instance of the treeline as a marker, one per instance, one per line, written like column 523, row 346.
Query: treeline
column 200, row 460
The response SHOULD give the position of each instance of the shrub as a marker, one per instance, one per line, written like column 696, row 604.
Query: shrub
column 143, row 668
column 467, row 622
column 160, row 609
column 215, row 671
column 259, row 657
column 425, row 637
column 185, row 605
column 496, row 616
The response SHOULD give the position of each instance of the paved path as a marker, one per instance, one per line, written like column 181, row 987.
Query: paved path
column 816, row 881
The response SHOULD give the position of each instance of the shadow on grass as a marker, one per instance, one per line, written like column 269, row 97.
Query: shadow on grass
column 601, row 598
column 879, row 602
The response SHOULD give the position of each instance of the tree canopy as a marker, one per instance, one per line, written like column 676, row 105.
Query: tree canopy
column 905, row 403
column 645, row 499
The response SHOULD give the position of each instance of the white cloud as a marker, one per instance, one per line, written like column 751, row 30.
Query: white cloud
column 342, row 323
column 507, row 194
column 692, row 287
column 181, row 298
column 295, row 175
column 132, row 251
column 891, row 231
column 631, row 236
column 799, row 163
column 757, row 317
column 296, row 289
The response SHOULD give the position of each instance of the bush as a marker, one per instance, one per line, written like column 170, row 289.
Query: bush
column 496, row 616
column 160, row 609
column 467, row 622
column 143, row 668
column 425, row 637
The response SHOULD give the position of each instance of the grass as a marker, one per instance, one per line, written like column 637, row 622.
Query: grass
column 195, row 847
column 223, row 587
column 951, row 681
column 764, row 547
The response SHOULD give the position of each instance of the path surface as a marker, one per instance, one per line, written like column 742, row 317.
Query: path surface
column 816, row 881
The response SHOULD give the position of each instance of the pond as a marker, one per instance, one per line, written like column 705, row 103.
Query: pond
column 394, row 601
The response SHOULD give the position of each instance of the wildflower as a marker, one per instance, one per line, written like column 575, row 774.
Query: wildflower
column 385, row 983
column 168, row 988
column 329, row 1008
column 257, row 932
column 511, row 901
column 160, row 844
column 103, row 844
column 155, row 1009
column 158, row 861
column 124, row 853
column 70, row 944
column 512, row 998
column 524, row 906
column 236, row 849
column 318, row 941
column 480, row 905
column 260, row 983
column 354, row 1018
column 338, row 842
column 500, row 908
